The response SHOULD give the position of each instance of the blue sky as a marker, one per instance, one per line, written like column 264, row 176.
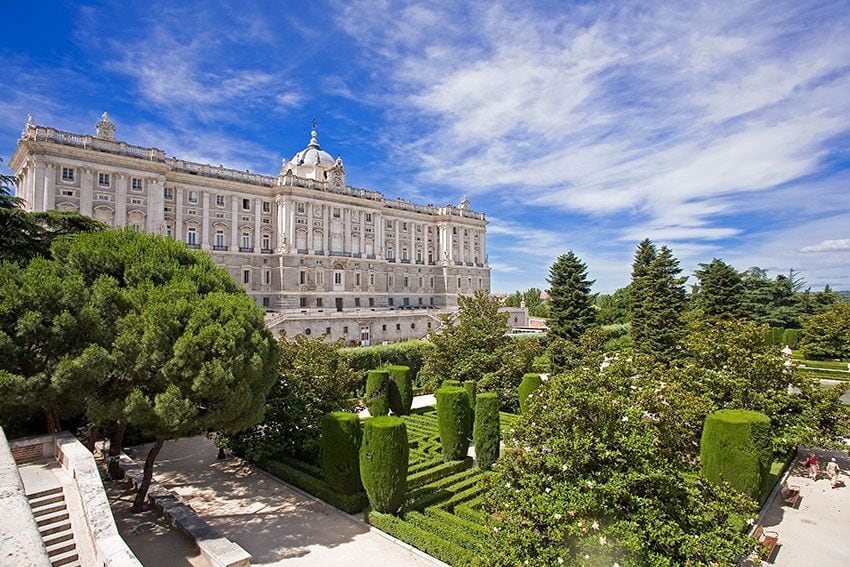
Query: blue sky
column 719, row 129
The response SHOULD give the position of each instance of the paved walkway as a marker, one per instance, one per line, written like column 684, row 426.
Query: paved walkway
column 817, row 532
column 276, row 524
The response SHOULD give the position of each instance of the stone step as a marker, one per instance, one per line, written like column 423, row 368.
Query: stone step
column 58, row 537
column 55, row 529
column 64, row 558
column 48, row 509
column 46, row 492
column 46, row 500
column 60, row 547
column 52, row 518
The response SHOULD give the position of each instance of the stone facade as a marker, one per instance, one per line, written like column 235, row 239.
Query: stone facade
column 302, row 243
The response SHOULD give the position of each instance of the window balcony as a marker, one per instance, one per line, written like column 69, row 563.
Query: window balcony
column 194, row 245
column 458, row 263
column 420, row 262
column 355, row 255
column 301, row 251
column 370, row 256
column 391, row 260
column 319, row 252
column 405, row 260
column 220, row 248
column 266, row 251
column 469, row 263
column 245, row 249
column 479, row 265
column 342, row 254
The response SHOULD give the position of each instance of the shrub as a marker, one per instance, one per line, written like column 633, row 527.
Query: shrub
column 288, row 472
column 384, row 456
column 400, row 395
column 451, row 383
column 377, row 390
column 469, row 386
column 340, row 448
column 791, row 337
column 517, row 358
column 407, row 353
column 530, row 383
column 736, row 448
column 774, row 335
column 486, row 432
column 453, row 422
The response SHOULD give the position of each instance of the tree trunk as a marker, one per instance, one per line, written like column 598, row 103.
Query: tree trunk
column 116, row 447
column 139, row 502
column 52, row 418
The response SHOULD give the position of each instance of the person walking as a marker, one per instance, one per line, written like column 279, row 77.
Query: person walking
column 833, row 470
column 812, row 465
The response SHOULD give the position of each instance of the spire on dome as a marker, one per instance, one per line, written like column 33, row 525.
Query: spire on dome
column 314, row 141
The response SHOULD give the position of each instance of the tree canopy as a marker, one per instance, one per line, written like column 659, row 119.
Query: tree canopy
column 571, row 309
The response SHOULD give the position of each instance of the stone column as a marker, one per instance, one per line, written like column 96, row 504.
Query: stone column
column 178, row 214
column 86, row 191
column 37, row 187
column 379, row 235
column 326, row 228
column 412, row 227
column 49, row 187
column 234, row 228
column 363, row 234
column 483, row 238
column 121, row 200
column 310, row 247
column 282, row 227
column 290, row 229
column 205, row 221
column 258, row 223
column 346, row 235
column 156, row 205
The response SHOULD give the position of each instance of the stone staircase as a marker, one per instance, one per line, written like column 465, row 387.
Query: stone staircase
column 54, row 524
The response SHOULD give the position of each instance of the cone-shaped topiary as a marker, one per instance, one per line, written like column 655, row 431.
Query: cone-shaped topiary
column 377, row 390
column 453, row 383
column 453, row 422
column 384, row 455
column 530, row 382
column 401, row 389
column 340, row 448
column 736, row 448
column 469, row 386
column 486, row 433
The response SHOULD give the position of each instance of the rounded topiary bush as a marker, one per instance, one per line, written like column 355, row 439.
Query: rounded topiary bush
column 530, row 383
column 340, row 448
column 384, row 455
column 453, row 422
column 736, row 448
column 400, row 389
column 486, row 433
column 377, row 392
column 451, row 383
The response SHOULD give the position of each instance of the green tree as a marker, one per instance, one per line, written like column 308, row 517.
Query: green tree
column 571, row 309
column 720, row 290
column 827, row 334
column 468, row 345
column 659, row 305
column 613, row 308
column 314, row 380
column 639, row 291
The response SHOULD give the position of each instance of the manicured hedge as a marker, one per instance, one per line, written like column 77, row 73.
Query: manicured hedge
column 530, row 383
column 452, row 383
column 774, row 336
column 350, row 503
column 432, row 473
column 431, row 544
column 486, row 433
column 469, row 386
column 377, row 392
column 339, row 454
column 791, row 337
column 453, row 422
column 736, row 448
column 407, row 353
column 400, row 389
column 384, row 457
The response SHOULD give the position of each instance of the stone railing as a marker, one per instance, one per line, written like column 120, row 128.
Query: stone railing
column 20, row 540
column 47, row 134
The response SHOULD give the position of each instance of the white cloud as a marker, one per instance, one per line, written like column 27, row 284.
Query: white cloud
column 842, row 245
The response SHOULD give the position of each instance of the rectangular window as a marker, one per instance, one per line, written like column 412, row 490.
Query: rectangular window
column 383, row 327
column 169, row 230
column 371, row 302
column 404, row 226
column 300, row 208
column 246, row 276
column 267, row 207
column 318, row 302
column 191, row 236
column 219, row 200
column 405, row 281
column 390, row 301
column 219, row 237
column 267, row 277
column 101, row 197
column 302, row 277
column 135, row 201
column 246, row 240
column 357, row 278
column 398, row 326
column 389, row 281
column 458, row 283
column 168, row 193
column 356, row 302
column 420, row 281
column 338, row 278
column 68, row 193
column 267, row 242
column 371, row 279
column 302, row 302
column 368, row 217
column 389, row 224
column 136, row 184
column 266, row 302
column 246, row 204
column 193, row 196
column 345, row 329
column 103, row 179
column 336, row 213
column 68, row 174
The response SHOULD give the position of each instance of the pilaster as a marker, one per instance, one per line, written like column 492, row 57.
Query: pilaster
column 86, row 190
column 205, row 221
column 49, row 187
column 178, row 214
column 234, row 222
column 121, row 200
column 257, row 225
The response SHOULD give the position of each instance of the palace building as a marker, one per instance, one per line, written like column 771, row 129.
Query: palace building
column 319, row 255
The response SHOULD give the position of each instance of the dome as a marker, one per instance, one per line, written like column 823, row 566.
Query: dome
column 313, row 154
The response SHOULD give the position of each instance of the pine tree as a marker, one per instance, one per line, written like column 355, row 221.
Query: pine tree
column 638, row 289
column 720, row 290
column 571, row 309
column 662, row 303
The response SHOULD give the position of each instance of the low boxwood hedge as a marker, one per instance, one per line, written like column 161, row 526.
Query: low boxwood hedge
column 350, row 503
column 431, row 544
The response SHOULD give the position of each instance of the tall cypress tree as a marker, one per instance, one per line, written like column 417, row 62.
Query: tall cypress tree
column 639, row 289
column 720, row 290
column 571, row 309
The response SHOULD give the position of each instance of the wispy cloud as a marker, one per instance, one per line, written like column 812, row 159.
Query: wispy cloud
column 828, row 246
